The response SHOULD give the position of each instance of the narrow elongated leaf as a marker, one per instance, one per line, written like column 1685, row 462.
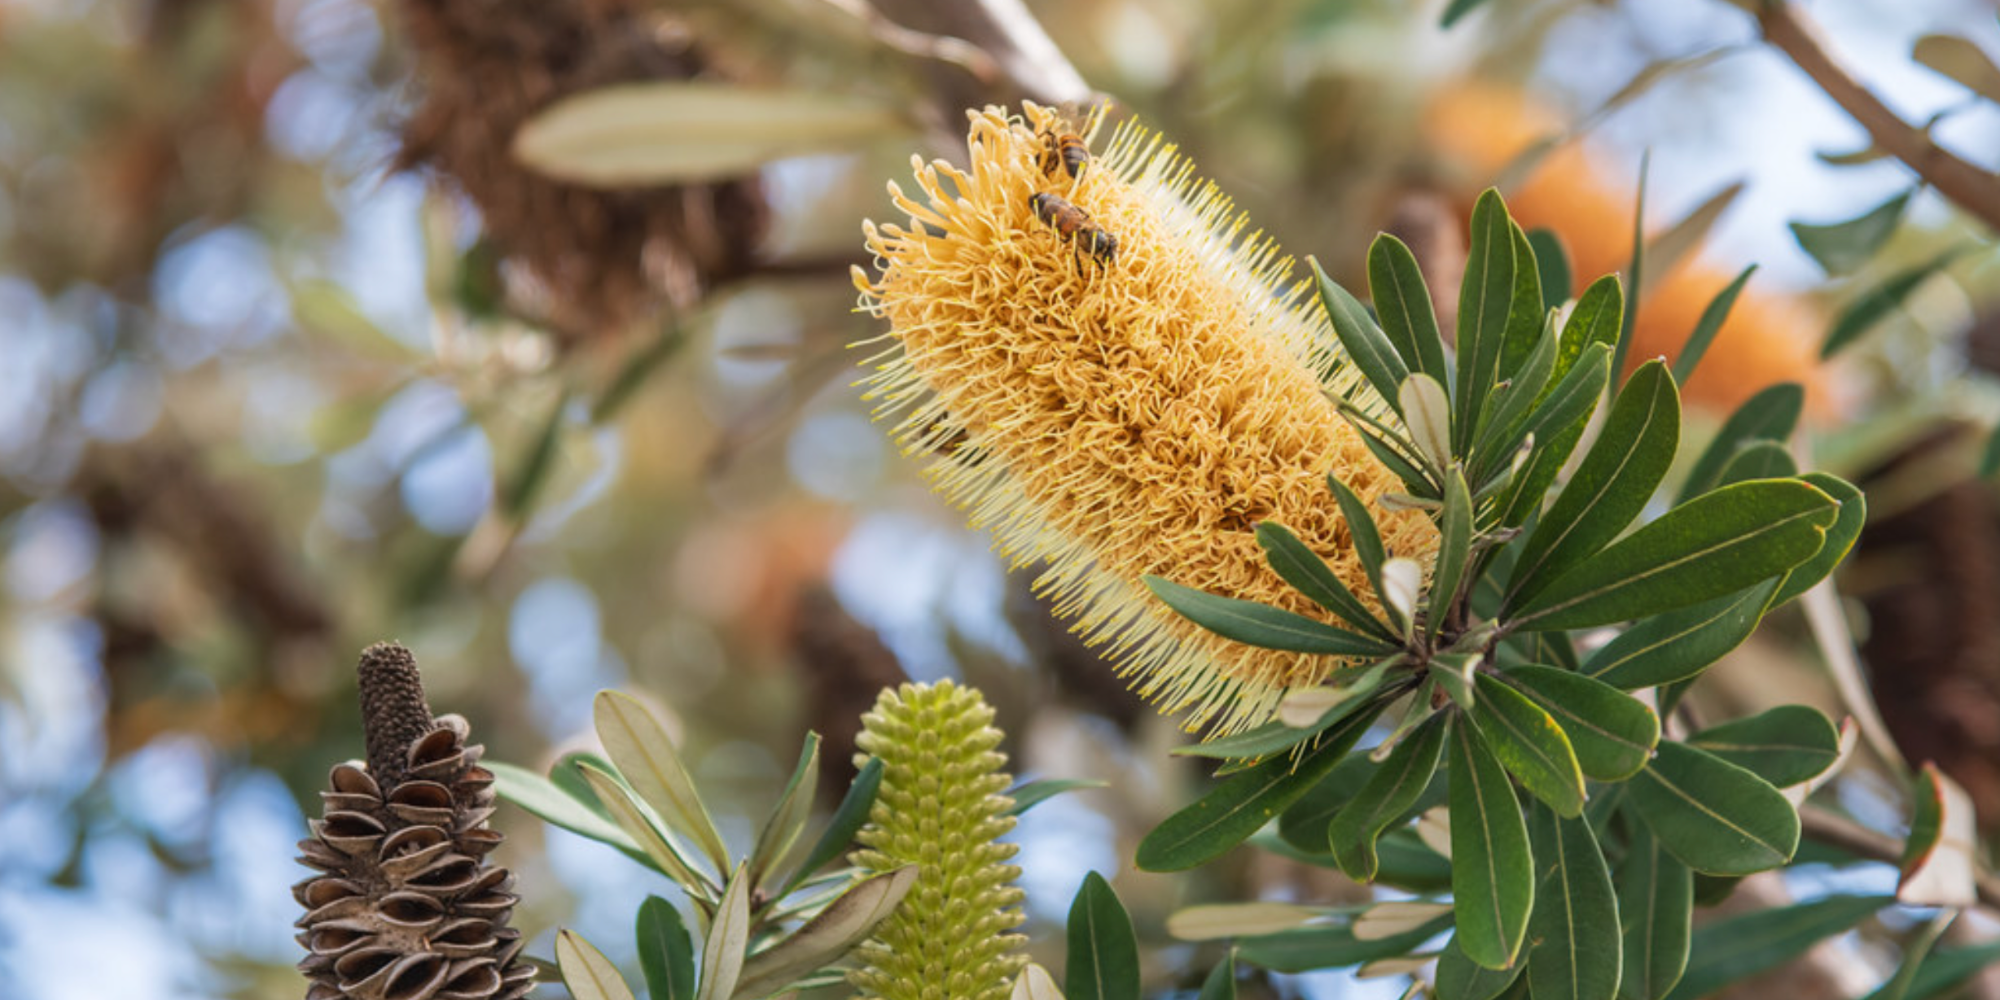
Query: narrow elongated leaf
column 830, row 934
column 1736, row 948
column 1331, row 947
column 1221, row 981
column 1612, row 732
column 1715, row 544
column 1915, row 951
column 1261, row 625
column 1399, row 458
column 728, row 939
column 1514, row 401
column 1245, row 802
column 848, row 820
column 1759, row 460
column 1303, row 568
column 1387, row 797
column 1665, row 251
column 1943, row 971
column 1708, row 326
column 1679, row 644
column 1228, row 920
column 567, row 774
column 1610, row 487
column 1530, row 744
column 666, row 953
column 586, row 972
column 1403, row 304
column 1863, row 313
column 1576, row 954
column 1367, row 347
column 1361, row 529
column 1453, row 672
column 625, row 808
column 1843, row 247
column 1770, row 415
column 1278, row 736
column 1461, row 978
column 1556, row 424
column 1552, row 265
column 1484, row 300
column 1635, row 273
column 1492, row 871
column 1524, row 314
column 647, row 759
column 1454, row 549
column 788, row 817
column 1716, row 817
column 1840, row 537
column 1306, row 823
column 543, row 798
column 1593, row 321
column 1655, row 909
column 1103, row 951
column 1784, row 746
column 1027, row 796
column 1989, row 460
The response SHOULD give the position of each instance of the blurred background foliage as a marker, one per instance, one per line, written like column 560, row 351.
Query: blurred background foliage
column 298, row 357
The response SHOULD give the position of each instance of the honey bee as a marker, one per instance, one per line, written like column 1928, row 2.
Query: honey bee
column 1075, row 226
column 1062, row 151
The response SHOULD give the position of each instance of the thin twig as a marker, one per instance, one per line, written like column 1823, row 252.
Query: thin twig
column 1835, row 830
column 944, row 48
column 1971, row 188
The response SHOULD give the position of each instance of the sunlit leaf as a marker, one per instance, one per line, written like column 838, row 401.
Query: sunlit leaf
column 647, row 759
column 848, row 820
column 586, row 972
column 1714, row 816
column 1349, row 697
column 728, row 939
column 1557, row 423
column 1035, row 983
column 1426, row 410
column 1226, row 920
column 542, row 797
column 788, row 818
column 1735, row 948
column 1844, row 247
column 1612, row 732
column 626, row 810
column 1492, row 872
column 1103, row 951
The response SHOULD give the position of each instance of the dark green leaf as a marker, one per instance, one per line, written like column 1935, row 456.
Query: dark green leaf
column 1679, row 644
column 1454, row 549
column 1610, row 487
column 1513, row 411
column 1457, row 10
column 1759, row 460
column 1361, row 529
column 1736, row 948
column 1530, row 743
column 1770, row 415
column 1594, row 320
column 1305, row 823
column 1708, row 326
column 788, row 818
column 1552, row 264
column 1484, row 300
column 1221, row 981
column 1406, row 863
column 1784, row 746
column 1863, row 313
column 1840, row 537
column 1492, row 871
column 1245, row 802
column 1367, row 347
column 1576, row 952
column 847, row 820
column 1655, row 909
column 1387, row 798
column 1332, row 947
column 1033, row 793
column 1461, row 978
column 1407, row 467
column 666, row 953
column 1612, row 732
column 566, row 776
column 1403, row 304
column 1716, row 817
column 1303, row 568
column 1525, row 315
column 1989, row 462
column 1557, row 423
column 1103, row 951
column 1261, row 625
column 1276, row 737
column 1715, row 544
column 1843, row 247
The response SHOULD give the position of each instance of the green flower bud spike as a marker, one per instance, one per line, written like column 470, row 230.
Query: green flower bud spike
column 942, row 806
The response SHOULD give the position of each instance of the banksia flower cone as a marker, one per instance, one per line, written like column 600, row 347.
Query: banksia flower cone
column 1124, row 406
column 942, row 806
column 405, row 907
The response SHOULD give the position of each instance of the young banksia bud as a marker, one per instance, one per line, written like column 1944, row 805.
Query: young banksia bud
column 1111, row 381
column 942, row 806
column 405, row 906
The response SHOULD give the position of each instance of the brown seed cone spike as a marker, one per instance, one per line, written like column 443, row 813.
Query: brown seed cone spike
column 404, row 906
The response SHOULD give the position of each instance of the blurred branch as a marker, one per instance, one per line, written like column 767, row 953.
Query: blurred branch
column 1835, row 830
column 1973, row 189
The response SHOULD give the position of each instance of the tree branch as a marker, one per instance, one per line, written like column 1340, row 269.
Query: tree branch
column 1835, row 830
column 1970, row 187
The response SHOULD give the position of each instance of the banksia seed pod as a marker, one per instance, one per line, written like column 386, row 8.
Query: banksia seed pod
column 942, row 806
column 405, row 907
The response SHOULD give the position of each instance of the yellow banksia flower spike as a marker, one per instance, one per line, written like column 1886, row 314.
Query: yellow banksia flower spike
column 942, row 806
column 1126, row 413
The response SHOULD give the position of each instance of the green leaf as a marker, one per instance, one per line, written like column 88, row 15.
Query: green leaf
column 1530, row 744
column 1770, row 415
column 1513, row 404
column 1759, row 460
column 1221, row 981
column 1708, row 326
column 666, row 953
column 1914, row 952
column 626, row 810
column 1261, row 625
column 1310, row 575
column 1610, row 487
column 1403, row 304
column 1655, row 909
column 848, row 819
column 1030, row 794
column 1679, row 644
column 1665, row 251
column 1944, row 970
column 1989, row 461
column 567, row 774
column 640, row 364
column 1399, row 460
column 1737, row 948
column 830, row 934
column 1457, row 10
column 1843, row 247
column 1552, row 266
column 1461, row 978
column 1525, row 314
column 518, row 499
column 1784, row 746
column 586, row 972
column 1306, row 823
column 1367, row 346
column 1361, row 530
column 1557, row 423
column 647, row 759
column 1864, row 312
column 1840, row 537
column 1244, row 802
column 1391, row 791
column 548, row 801
column 1635, row 274
column 1454, row 673
column 1330, row 947
column 1716, row 817
column 1103, row 951
column 1484, row 300
column 728, row 940
column 788, row 817
column 1715, row 544
column 1594, row 320
column 1454, row 550
column 1612, row 732
column 1960, row 60
column 1492, row 871
column 1576, row 953
column 1276, row 736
